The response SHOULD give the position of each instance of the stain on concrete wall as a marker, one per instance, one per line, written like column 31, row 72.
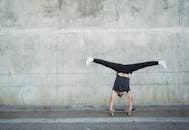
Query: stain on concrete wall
column 90, row 7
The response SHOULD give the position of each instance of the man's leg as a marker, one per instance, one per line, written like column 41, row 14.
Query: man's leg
column 134, row 67
column 130, row 98
column 114, row 66
column 112, row 98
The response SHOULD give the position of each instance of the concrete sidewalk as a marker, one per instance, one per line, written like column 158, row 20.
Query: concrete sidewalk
column 93, row 118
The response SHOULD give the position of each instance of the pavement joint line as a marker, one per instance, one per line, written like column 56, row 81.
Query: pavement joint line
column 97, row 120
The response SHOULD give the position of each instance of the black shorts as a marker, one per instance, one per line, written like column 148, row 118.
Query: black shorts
column 121, row 84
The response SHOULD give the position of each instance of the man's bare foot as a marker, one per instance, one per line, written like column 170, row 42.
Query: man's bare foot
column 162, row 63
column 88, row 61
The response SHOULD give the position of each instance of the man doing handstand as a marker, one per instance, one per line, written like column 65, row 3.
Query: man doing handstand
column 121, row 83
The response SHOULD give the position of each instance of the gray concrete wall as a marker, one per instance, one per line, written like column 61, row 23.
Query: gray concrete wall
column 44, row 43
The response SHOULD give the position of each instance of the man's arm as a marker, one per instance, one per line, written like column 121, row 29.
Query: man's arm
column 112, row 98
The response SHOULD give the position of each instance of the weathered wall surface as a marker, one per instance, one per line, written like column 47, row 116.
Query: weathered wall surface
column 44, row 44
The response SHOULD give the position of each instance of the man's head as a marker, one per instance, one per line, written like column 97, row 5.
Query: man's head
column 120, row 94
